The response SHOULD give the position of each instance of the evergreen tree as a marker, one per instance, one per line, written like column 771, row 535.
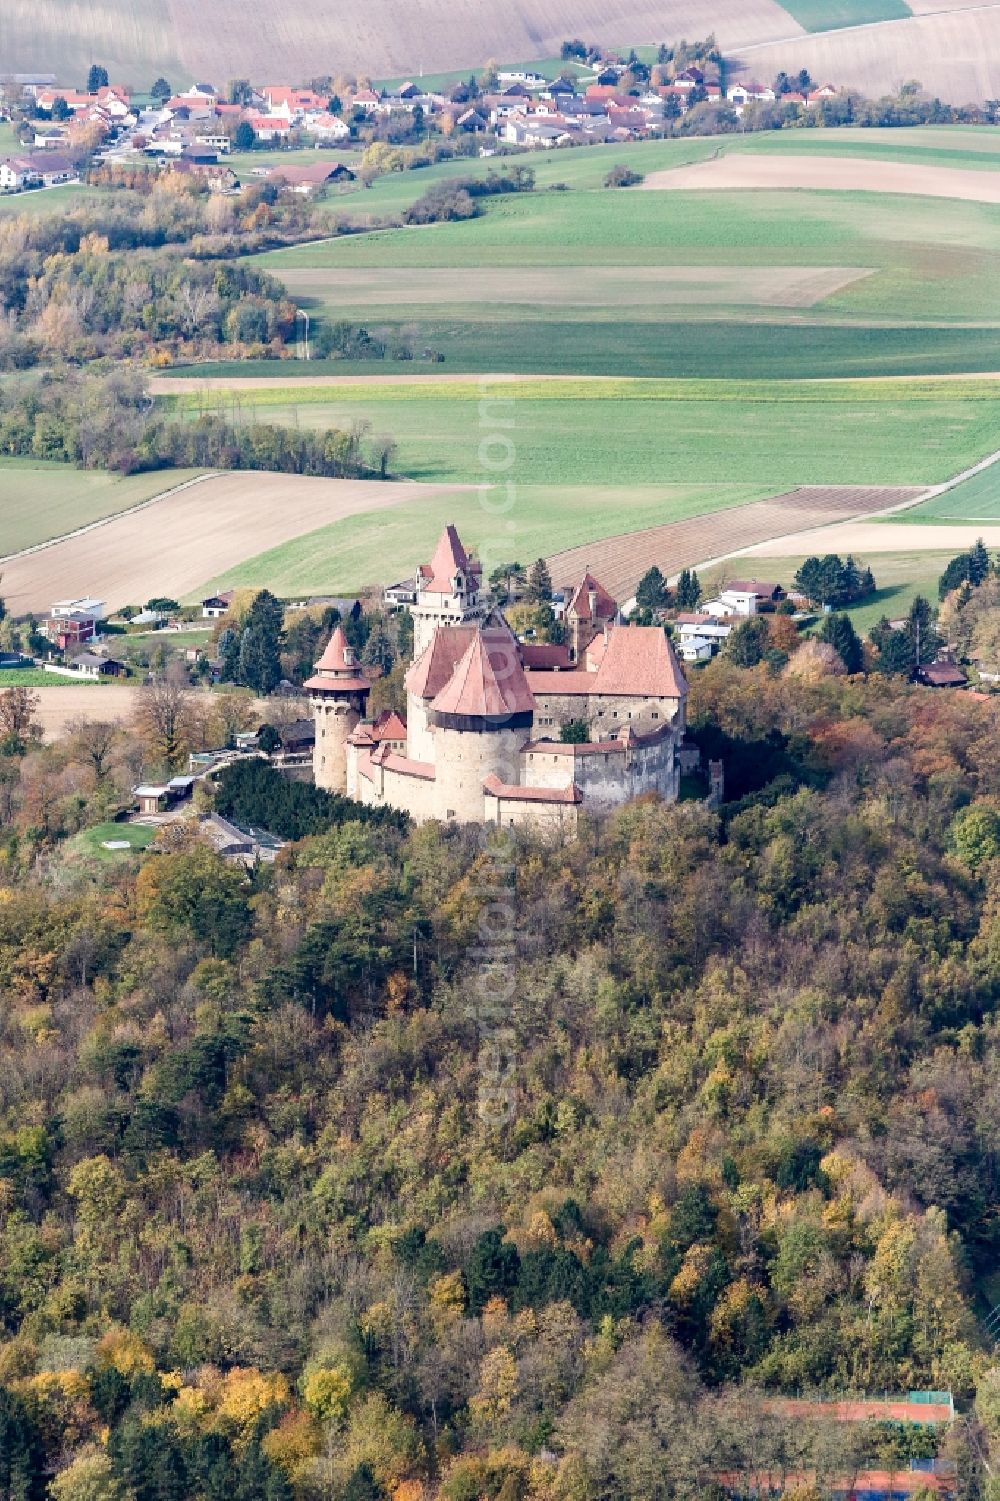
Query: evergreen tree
column 377, row 650
column 229, row 654
column 97, row 78
column 22, row 1454
column 245, row 138
column 539, row 590
column 161, row 91
column 979, row 562
column 688, row 592
column 260, row 645
column 922, row 632
column 895, row 651
column 747, row 643
column 838, row 631
column 651, row 593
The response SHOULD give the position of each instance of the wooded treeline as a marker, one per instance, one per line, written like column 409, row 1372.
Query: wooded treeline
column 256, row 1233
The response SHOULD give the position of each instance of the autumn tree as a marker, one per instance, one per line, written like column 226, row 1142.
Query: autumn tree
column 167, row 719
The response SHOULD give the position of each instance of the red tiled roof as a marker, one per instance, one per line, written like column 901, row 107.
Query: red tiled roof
column 516, row 793
column 563, row 682
column 392, row 761
column 640, row 660
column 337, row 668
column 449, row 558
column 489, row 682
column 389, row 726
column 436, row 663
column 544, row 656
column 606, row 608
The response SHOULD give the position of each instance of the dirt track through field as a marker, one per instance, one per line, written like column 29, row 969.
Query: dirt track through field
column 620, row 562
column 842, row 174
column 170, row 548
column 580, row 287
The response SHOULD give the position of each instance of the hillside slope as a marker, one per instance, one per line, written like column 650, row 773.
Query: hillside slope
column 234, row 38
column 954, row 53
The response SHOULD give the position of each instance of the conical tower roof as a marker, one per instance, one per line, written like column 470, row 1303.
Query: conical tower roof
column 489, row 681
column 337, row 670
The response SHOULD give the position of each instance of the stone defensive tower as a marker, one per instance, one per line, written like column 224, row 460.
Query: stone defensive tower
column 338, row 694
column 481, row 719
column 448, row 591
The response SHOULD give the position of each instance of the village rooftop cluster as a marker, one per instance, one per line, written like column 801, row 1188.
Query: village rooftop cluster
column 194, row 129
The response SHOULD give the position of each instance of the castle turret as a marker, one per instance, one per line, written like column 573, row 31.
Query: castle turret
column 338, row 694
column 448, row 591
column 480, row 719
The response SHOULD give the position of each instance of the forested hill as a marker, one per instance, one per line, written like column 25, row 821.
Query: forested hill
column 260, row 1238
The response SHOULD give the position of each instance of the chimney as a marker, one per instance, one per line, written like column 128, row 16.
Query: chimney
column 592, row 601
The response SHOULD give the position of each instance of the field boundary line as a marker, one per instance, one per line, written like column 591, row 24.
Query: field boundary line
column 936, row 490
column 91, row 526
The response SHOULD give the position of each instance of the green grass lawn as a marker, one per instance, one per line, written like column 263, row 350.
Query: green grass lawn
column 829, row 15
column 42, row 500
column 976, row 499
column 900, row 577
column 541, row 520
column 90, row 843
column 602, row 432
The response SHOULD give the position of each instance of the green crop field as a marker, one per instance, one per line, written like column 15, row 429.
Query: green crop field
column 829, row 15
column 532, row 522
column 919, row 294
column 773, row 434
column 975, row 499
column 37, row 677
column 41, row 501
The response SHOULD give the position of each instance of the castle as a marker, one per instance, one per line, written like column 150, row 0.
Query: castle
column 482, row 738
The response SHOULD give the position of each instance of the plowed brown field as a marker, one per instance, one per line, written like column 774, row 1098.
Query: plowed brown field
column 843, row 174
column 295, row 40
column 620, row 562
column 173, row 546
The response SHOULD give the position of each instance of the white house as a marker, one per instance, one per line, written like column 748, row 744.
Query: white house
column 17, row 172
column 85, row 606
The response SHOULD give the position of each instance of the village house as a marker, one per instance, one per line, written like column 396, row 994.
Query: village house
column 312, row 177
column 18, row 173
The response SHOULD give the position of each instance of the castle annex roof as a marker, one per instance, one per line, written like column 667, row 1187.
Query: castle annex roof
column 514, row 792
column 489, row 682
column 639, row 660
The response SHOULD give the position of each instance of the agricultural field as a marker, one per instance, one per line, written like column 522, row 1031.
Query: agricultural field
column 42, row 501
column 380, row 548
column 169, row 548
column 953, row 51
column 183, row 39
column 828, row 15
column 778, row 434
column 839, row 174
column 920, row 292
column 37, row 677
column 58, row 707
column 621, row 561
column 975, row 499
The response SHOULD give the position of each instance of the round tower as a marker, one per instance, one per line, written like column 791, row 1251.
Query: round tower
column 481, row 719
column 338, row 694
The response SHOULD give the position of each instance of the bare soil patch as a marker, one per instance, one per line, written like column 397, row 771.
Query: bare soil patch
column 842, row 174
column 886, row 536
column 620, row 562
column 585, row 286
column 170, row 548
column 59, row 705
